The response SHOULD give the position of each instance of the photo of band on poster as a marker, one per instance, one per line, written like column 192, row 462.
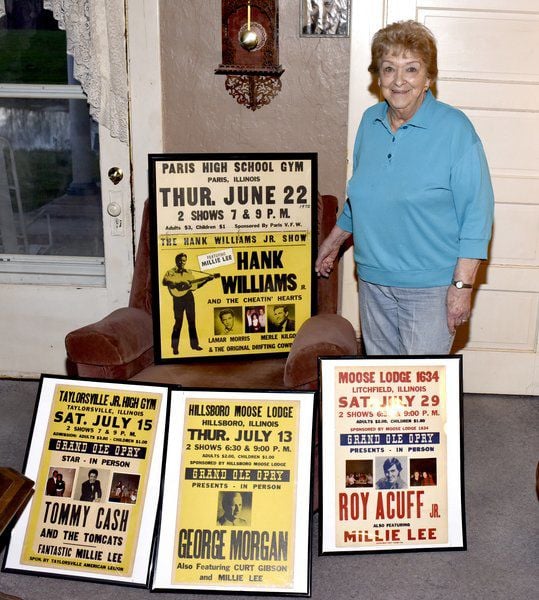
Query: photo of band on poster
column 232, row 252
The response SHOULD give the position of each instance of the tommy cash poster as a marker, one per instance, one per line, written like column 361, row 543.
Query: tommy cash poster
column 237, row 518
column 232, row 252
column 95, row 454
column 391, row 459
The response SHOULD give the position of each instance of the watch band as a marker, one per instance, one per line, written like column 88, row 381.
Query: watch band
column 460, row 284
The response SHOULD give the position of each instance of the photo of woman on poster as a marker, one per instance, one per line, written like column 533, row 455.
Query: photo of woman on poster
column 255, row 319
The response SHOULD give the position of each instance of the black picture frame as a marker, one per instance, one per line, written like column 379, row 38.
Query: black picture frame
column 226, row 459
column 392, row 454
column 231, row 233
column 84, row 529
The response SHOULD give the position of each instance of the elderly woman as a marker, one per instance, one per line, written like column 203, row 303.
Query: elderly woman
column 419, row 205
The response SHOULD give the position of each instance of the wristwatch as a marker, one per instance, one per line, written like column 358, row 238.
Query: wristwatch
column 460, row 284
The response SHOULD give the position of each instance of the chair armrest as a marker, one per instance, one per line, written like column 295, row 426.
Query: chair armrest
column 118, row 339
column 320, row 335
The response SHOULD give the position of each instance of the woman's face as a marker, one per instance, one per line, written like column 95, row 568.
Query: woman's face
column 403, row 80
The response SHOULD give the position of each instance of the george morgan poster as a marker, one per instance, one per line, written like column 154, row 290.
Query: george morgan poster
column 391, row 461
column 232, row 252
column 95, row 453
column 237, row 517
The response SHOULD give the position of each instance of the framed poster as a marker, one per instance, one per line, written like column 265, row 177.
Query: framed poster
column 95, row 453
column 232, row 252
column 392, row 474
column 237, row 519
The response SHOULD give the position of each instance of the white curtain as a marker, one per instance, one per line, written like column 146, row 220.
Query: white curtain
column 95, row 31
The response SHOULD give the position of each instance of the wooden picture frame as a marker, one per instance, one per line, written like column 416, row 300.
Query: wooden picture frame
column 392, row 476
column 15, row 493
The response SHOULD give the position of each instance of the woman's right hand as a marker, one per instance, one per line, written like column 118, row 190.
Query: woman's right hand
column 329, row 250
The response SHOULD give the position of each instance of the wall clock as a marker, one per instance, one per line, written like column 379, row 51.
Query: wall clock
column 250, row 50
column 250, row 38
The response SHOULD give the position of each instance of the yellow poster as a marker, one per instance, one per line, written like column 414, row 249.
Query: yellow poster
column 241, row 498
column 98, row 468
column 392, row 439
column 233, row 252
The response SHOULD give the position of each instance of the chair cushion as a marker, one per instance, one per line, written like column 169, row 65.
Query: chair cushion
column 255, row 373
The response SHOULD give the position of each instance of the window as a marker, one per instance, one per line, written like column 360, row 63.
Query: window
column 50, row 192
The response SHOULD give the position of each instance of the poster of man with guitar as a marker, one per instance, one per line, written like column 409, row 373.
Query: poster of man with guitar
column 243, row 224
column 181, row 284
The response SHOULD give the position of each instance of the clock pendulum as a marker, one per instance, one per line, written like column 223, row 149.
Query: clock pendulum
column 248, row 37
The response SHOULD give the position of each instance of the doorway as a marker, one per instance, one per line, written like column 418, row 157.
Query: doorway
column 486, row 52
column 66, row 238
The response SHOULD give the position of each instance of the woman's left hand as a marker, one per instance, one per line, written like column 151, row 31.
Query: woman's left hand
column 459, row 303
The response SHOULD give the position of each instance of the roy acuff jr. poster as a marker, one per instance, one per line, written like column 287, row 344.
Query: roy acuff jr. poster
column 232, row 252
column 237, row 517
column 391, row 461
column 95, row 453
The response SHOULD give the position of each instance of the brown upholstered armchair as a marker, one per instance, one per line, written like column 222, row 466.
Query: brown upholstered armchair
column 120, row 346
